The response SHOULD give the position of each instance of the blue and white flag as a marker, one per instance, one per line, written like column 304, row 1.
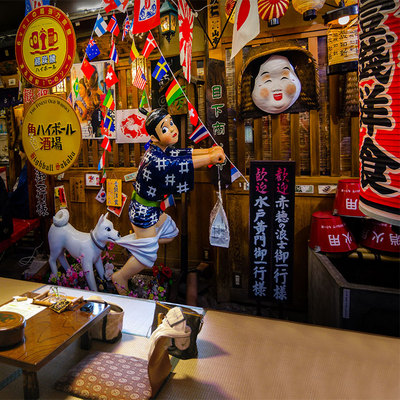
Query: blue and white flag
column 113, row 53
column 92, row 50
column 32, row 4
column 100, row 27
column 234, row 173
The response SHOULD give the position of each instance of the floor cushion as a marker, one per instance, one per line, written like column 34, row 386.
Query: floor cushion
column 104, row 376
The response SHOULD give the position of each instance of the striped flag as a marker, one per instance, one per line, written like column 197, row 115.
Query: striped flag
column 126, row 27
column 113, row 53
column 69, row 98
column 234, row 173
column 174, row 91
column 109, row 101
column 100, row 27
column 134, row 52
column 168, row 202
column 149, row 45
column 104, row 177
column 106, row 144
column 140, row 79
column 199, row 133
column 112, row 26
column 102, row 161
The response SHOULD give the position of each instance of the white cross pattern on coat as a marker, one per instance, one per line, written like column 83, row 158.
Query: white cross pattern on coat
column 152, row 191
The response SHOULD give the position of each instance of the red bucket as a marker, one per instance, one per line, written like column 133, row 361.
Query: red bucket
column 347, row 198
column 380, row 236
column 330, row 234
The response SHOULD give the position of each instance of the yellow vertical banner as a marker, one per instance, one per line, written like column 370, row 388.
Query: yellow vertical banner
column 114, row 192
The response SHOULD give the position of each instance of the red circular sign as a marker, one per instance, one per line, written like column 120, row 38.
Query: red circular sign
column 45, row 46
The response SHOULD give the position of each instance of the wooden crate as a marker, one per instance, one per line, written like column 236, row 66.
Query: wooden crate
column 334, row 301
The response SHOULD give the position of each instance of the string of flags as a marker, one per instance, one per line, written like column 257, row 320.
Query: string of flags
column 174, row 91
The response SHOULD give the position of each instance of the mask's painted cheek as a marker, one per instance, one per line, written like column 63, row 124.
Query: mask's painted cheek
column 290, row 89
column 264, row 93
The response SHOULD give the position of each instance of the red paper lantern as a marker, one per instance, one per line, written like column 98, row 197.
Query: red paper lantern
column 272, row 10
column 228, row 9
column 330, row 234
column 379, row 84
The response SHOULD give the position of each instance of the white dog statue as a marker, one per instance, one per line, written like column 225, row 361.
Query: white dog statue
column 86, row 246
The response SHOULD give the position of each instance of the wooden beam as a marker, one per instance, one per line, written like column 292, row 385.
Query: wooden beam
column 314, row 143
column 276, row 136
column 295, row 140
column 258, row 142
column 334, row 124
column 355, row 137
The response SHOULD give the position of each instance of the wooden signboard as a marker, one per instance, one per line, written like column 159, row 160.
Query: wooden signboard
column 217, row 110
column 271, row 244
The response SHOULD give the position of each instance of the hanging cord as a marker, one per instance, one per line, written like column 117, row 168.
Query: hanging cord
column 25, row 261
column 209, row 133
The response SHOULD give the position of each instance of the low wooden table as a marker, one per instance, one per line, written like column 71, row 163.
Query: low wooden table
column 46, row 335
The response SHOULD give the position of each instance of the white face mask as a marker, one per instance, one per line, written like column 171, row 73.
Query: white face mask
column 276, row 86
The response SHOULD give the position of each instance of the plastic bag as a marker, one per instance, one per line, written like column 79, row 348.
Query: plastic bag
column 219, row 228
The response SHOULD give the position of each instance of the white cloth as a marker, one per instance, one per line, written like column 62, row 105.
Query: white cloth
column 179, row 331
column 145, row 249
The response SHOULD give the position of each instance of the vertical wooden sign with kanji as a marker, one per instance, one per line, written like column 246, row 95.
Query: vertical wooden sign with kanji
column 271, row 243
column 77, row 189
column 217, row 110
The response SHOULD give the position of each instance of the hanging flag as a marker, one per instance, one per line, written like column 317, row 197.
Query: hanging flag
column 168, row 202
column 112, row 26
column 185, row 17
column 234, row 173
column 106, row 144
column 199, row 134
column 76, row 87
column 126, row 27
column 113, row 53
column 69, row 98
column 146, row 15
column 92, row 50
column 144, row 100
column 134, row 52
column 87, row 68
column 32, row 4
column 102, row 161
column 111, row 77
column 140, row 79
column 110, row 5
column 149, row 46
column 194, row 117
column 161, row 69
column 100, row 27
column 109, row 101
column 108, row 123
column 246, row 26
column 174, row 91
column 104, row 177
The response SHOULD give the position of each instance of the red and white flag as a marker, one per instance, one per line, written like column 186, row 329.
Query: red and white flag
column 111, row 77
column 246, row 26
column 106, row 144
column 146, row 15
column 112, row 26
column 186, row 17
column 140, row 79
column 149, row 45
column 194, row 117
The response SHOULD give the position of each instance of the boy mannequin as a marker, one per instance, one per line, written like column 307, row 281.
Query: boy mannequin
column 162, row 171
